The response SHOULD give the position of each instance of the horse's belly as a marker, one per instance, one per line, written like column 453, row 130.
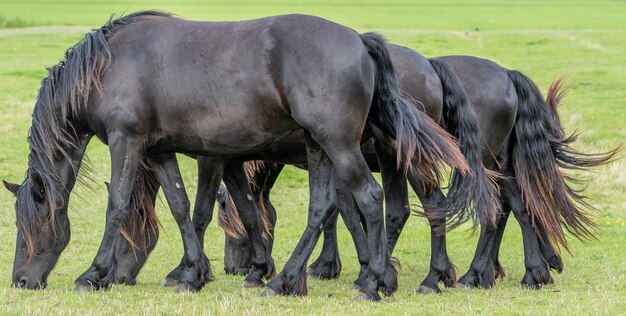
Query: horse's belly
column 220, row 135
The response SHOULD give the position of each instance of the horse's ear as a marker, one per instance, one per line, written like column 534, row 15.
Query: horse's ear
column 37, row 184
column 13, row 187
column 108, row 185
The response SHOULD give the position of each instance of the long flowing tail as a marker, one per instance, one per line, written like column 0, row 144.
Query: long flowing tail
column 460, row 120
column 540, row 147
column 421, row 145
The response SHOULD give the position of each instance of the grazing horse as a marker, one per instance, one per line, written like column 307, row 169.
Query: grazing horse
column 501, row 99
column 150, row 85
column 421, row 80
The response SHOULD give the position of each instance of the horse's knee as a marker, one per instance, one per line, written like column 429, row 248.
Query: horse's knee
column 180, row 209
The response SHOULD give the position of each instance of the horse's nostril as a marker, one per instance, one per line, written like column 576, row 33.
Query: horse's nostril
column 21, row 283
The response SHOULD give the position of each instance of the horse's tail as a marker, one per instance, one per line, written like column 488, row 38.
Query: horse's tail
column 142, row 224
column 421, row 145
column 539, row 148
column 460, row 120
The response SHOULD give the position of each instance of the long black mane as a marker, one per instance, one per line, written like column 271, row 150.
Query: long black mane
column 53, row 133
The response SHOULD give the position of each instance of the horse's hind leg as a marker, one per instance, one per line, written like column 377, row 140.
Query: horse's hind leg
column 350, row 214
column 262, row 265
column 328, row 264
column 209, row 177
column 353, row 171
column 495, row 252
column 482, row 271
column 197, row 270
column 548, row 251
column 441, row 268
column 292, row 279
column 537, row 269
column 396, row 195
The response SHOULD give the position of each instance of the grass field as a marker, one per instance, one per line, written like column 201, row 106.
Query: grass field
column 584, row 39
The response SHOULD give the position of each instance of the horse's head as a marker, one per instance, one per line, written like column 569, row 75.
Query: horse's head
column 43, row 230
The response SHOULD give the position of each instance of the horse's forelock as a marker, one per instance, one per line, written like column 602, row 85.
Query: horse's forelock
column 28, row 222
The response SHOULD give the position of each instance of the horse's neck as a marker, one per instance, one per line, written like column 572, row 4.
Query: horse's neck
column 67, row 165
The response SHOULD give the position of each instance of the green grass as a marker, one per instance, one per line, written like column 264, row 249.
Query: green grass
column 541, row 38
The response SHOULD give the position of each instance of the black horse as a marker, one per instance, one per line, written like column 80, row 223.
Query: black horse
column 421, row 80
column 150, row 85
column 496, row 100
column 497, row 96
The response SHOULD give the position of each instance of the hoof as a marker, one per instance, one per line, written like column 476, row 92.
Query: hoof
column 537, row 277
column 269, row 292
column 324, row 270
column 82, row 287
column 423, row 289
column 169, row 282
column 251, row 284
column 482, row 279
column 362, row 296
column 128, row 282
column 530, row 286
column 237, row 271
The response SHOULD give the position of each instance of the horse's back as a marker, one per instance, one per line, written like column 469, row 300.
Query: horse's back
column 418, row 79
column 228, row 79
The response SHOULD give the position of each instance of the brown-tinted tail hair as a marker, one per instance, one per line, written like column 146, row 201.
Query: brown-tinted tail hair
column 421, row 146
column 479, row 186
column 540, row 150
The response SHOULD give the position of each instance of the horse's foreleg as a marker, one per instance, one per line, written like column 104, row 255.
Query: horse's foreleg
column 141, row 227
column 210, row 172
column 292, row 279
column 125, row 156
column 262, row 266
column 267, row 177
column 238, row 252
column 197, row 269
